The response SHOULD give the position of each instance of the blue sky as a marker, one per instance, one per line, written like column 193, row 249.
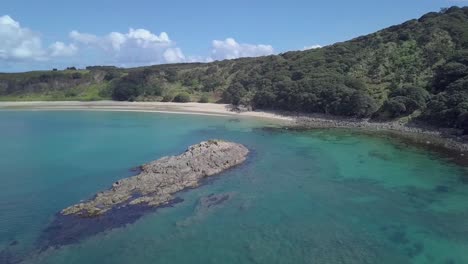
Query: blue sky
column 46, row 34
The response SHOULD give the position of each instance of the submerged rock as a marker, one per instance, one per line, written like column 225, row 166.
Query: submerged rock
column 213, row 200
column 71, row 229
column 160, row 179
column 207, row 205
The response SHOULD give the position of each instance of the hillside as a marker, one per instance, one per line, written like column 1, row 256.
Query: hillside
column 417, row 69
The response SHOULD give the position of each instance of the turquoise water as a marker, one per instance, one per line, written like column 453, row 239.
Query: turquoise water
column 321, row 196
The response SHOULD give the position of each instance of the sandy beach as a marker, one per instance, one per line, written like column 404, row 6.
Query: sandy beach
column 431, row 137
column 158, row 107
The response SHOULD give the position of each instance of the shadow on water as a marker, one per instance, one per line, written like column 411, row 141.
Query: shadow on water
column 7, row 257
column 71, row 229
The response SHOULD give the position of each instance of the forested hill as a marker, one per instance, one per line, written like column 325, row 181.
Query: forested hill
column 417, row 69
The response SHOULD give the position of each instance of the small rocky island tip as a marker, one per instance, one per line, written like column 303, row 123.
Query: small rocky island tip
column 160, row 179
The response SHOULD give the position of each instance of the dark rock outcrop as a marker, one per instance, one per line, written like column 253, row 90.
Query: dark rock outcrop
column 160, row 179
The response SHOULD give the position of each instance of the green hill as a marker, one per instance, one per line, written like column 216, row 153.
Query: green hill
column 417, row 69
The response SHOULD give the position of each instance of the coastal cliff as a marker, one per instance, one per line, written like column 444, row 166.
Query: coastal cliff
column 160, row 179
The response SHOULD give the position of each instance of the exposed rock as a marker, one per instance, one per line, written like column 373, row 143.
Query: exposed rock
column 239, row 108
column 160, row 179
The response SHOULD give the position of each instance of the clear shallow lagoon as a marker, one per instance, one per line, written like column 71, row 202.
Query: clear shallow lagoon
column 321, row 196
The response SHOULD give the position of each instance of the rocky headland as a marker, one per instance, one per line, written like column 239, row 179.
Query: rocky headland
column 160, row 179
column 447, row 138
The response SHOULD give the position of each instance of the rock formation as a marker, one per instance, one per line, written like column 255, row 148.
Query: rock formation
column 160, row 179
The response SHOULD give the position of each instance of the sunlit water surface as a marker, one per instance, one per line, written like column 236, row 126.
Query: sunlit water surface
column 321, row 196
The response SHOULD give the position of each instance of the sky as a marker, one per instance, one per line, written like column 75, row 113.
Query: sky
column 41, row 35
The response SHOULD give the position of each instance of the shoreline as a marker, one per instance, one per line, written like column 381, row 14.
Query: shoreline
column 422, row 135
column 450, row 139
column 208, row 109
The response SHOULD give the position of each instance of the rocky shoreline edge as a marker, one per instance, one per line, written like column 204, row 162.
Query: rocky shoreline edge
column 449, row 140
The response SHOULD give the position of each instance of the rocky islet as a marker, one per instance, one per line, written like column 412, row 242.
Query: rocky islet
column 160, row 179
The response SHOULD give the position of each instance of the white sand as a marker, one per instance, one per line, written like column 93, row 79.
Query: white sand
column 159, row 107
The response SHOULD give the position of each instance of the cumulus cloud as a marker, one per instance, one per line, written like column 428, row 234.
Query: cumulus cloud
column 199, row 59
column 137, row 46
column 18, row 43
column 312, row 47
column 174, row 55
column 114, row 40
column 231, row 49
column 59, row 49
column 83, row 37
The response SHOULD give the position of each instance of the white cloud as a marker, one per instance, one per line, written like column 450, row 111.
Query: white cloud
column 116, row 40
column 136, row 47
column 145, row 37
column 312, row 47
column 174, row 55
column 60, row 49
column 83, row 37
column 199, row 59
column 18, row 43
column 230, row 49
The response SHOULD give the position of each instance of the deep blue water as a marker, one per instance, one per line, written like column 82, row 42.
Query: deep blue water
column 323, row 196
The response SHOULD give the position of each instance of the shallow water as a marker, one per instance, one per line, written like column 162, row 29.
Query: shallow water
column 321, row 196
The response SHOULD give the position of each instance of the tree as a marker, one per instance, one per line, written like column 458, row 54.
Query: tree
column 204, row 99
column 234, row 93
column 355, row 83
column 110, row 75
column 264, row 99
column 168, row 98
column 127, row 88
column 361, row 105
column 447, row 74
column 182, row 97
column 404, row 101
column 396, row 106
column 297, row 75
column 417, row 96
column 76, row 75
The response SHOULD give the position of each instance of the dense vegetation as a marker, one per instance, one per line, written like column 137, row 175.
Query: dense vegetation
column 418, row 69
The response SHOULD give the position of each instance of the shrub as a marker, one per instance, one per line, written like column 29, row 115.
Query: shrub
column 76, row 75
column 396, row 106
column 111, row 75
column 182, row 98
column 204, row 99
column 361, row 105
column 168, row 98
column 404, row 101
column 125, row 90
